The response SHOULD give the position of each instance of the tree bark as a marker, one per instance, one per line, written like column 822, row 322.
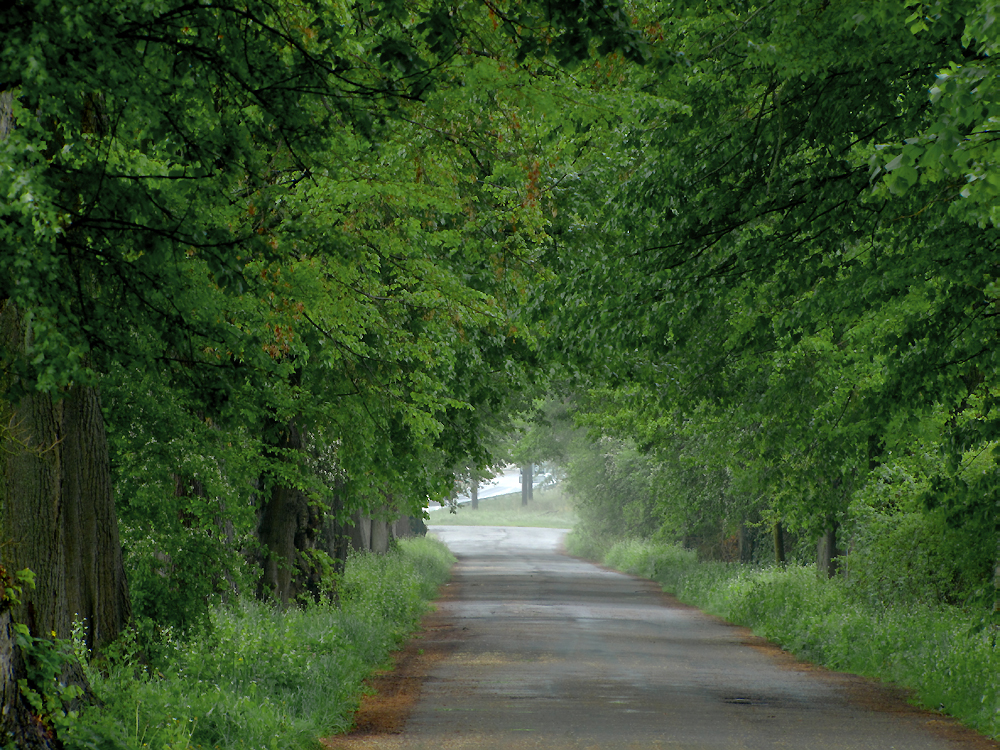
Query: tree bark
column 380, row 536
column 361, row 531
column 335, row 541
column 779, row 543
column 474, row 493
column 288, row 529
column 57, row 507
column 827, row 552
column 402, row 527
column 744, row 544
column 6, row 113
column 526, row 488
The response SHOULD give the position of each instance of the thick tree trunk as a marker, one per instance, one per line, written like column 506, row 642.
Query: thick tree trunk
column 58, row 510
column 288, row 529
column 401, row 527
column 335, row 541
column 361, row 531
column 474, row 493
column 381, row 536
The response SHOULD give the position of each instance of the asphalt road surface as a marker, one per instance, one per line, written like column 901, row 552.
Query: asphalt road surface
column 552, row 652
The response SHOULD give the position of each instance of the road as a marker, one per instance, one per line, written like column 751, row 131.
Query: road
column 543, row 650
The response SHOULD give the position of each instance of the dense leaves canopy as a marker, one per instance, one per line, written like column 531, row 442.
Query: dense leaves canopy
column 760, row 238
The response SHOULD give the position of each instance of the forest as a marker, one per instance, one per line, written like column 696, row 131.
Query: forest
column 276, row 275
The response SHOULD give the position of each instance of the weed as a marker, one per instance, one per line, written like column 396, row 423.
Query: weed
column 261, row 677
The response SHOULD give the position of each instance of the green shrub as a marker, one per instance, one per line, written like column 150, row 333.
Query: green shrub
column 260, row 677
column 587, row 545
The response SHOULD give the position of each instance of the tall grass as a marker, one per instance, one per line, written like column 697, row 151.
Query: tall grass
column 261, row 677
column 941, row 652
column 550, row 508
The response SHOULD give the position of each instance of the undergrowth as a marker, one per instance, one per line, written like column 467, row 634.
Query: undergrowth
column 948, row 656
column 261, row 677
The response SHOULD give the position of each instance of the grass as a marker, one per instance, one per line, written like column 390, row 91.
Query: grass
column 551, row 509
column 261, row 677
column 944, row 654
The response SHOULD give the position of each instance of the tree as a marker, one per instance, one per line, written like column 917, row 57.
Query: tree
column 152, row 176
column 740, row 264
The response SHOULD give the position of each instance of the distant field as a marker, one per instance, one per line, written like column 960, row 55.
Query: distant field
column 550, row 509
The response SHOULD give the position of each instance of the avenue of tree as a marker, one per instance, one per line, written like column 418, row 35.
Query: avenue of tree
column 274, row 274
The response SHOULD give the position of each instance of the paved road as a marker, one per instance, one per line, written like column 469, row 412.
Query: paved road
column 558, row 653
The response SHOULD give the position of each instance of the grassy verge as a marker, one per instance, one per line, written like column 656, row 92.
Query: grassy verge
column 550, row 509
column 265, row 678
column 938, row 652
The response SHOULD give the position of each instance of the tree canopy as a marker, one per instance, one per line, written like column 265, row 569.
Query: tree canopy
column 309, row 259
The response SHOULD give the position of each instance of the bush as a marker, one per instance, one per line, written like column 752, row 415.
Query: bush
column 260, row 677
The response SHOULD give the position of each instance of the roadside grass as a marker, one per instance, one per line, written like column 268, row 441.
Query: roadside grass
column 942, row 653
column 551, row 509
column 262, row 677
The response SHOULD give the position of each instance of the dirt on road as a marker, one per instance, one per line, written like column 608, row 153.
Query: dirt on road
column 530, row 648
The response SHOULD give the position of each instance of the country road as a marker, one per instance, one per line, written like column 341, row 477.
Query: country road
column 543, row 650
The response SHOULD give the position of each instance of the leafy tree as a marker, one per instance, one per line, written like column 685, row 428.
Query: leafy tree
column 216, row 198
column 733, row 259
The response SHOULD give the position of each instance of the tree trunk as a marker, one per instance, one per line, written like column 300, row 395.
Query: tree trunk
column 779, row 543
column 474, row 493
column 380, row 536
column 6, row 113
column 526, row 488
column 827, row 552
column 288, row 530
column 58, row 510
column 57, row 518
column 744, row 544
column 335, row 541
column 361, row 531
column 402, row 527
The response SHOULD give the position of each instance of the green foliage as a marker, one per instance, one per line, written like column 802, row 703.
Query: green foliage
column 903, row 551
column 757, row 311
column 183, row 495
column 766, row 256
column 672, row 490
column 45, row 687
column 937, row 651
column 545, row 434
column 12, row 586
column 234, row 219
column 954, row 154
column 261, row 677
